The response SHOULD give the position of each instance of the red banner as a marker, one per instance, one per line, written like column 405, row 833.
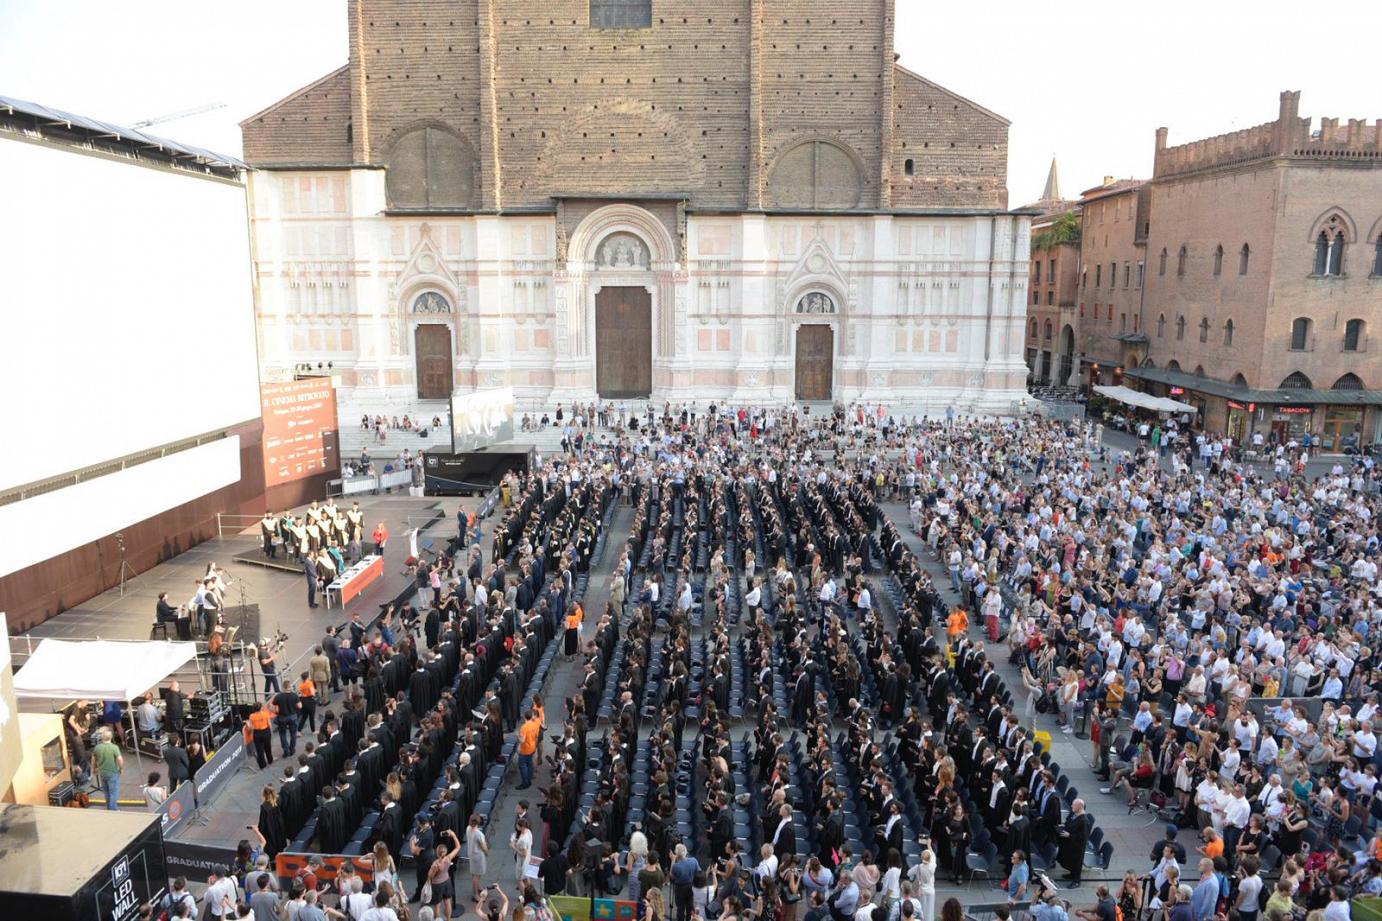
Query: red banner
column 299, row 430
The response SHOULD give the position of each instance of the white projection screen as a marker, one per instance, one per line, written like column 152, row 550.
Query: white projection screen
column 128, row 305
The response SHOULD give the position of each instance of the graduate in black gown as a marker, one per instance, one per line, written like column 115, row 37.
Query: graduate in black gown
column 271, row 823
column 332, row 833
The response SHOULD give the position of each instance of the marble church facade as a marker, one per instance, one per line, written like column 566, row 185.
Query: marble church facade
column 858, row 251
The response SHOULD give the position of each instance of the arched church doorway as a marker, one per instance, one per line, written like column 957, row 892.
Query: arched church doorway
column 432, row 349
column 815, row 366
column 623, row 342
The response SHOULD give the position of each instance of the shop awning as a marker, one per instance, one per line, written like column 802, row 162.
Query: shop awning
column 1144, row 400
column 98, row 669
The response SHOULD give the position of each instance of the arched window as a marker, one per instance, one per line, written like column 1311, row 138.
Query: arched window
column 1180, row 261
column 1204, row 329
column 1334, row 234
column 429, row 167
column 1377, row 257
column 1296, row 381
column 1161, row 269
column 909, row 168
column 1199, row 371
column 1180, row 329
column 1046, row 331
column 1348, row 382
column 1218, row 260
column 1336, row 255
column 1228, row 332
column 1161, row 326
column 1353, row 335
column 1243, row 255
column 1172, row 365
column 1322, row 254
column 1239, row 380
column 1300, row 334
column 1033, row 329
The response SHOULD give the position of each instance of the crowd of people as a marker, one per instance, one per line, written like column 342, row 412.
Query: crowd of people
column 776, row 645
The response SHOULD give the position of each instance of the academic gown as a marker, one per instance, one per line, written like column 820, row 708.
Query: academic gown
column 332, row 833
column 271, row 827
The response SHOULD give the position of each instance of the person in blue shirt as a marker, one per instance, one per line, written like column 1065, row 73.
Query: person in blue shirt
column 682, row 874
column 1206, row 896
column 1017, row 879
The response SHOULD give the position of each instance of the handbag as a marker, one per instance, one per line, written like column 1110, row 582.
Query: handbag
column 425, row 896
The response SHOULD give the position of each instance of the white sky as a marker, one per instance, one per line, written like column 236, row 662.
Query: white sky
column 1087, row 81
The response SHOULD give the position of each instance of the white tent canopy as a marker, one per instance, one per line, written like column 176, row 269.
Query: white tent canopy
column 98, row 669
column 1144, row 400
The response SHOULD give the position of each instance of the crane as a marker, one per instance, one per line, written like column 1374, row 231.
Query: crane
column 174, row 116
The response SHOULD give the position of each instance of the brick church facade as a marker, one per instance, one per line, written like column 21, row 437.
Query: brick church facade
column 743, row 201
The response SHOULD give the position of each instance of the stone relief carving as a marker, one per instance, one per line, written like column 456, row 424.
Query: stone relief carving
column 431, row 302
column 816, row 302
column 681, row 232
column 621, row 251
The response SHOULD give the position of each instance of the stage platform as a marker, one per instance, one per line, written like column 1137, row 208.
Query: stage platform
column 277, row 596
column 256, row 557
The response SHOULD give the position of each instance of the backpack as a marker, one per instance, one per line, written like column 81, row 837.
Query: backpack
column 168, row 903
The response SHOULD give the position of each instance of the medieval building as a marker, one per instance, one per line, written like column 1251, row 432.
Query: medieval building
column 677, row 199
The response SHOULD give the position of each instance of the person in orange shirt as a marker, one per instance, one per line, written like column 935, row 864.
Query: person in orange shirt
column 381, row 538
column 573, row 629
column 307, row 693
column 957, row 625
column 259, row 722
column 528, row 734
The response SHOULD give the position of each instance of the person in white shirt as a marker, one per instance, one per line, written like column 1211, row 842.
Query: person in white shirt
column 767, row 865
column 1364, row 743
column 356, row 904
column 220, row 897
column 1237, row 811
column 1267, row 752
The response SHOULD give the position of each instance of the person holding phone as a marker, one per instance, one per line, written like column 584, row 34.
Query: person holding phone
column 439, row 874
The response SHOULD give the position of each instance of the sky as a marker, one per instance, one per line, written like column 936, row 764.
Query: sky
column 1087, row 82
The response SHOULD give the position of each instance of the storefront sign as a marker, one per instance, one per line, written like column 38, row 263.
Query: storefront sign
column 1293, row 410
column 1177, row 391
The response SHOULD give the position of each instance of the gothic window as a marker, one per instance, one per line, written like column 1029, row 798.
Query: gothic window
column 1204, row 329
column 1180, row 329
column 1333, row 236
column 429, row 168
column 1300, row 334
column 1161, row 326
column 1296, row 381
column 621, row 14
column 1228, row 332
column 1243, row 255
column 1180, row 261
column 1218, row 261
column 815, row 174
column 1348, row 382
column 1353, row 335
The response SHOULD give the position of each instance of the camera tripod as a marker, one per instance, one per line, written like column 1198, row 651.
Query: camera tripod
column 126, row 570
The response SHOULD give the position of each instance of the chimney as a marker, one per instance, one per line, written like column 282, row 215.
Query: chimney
column 1108, row 180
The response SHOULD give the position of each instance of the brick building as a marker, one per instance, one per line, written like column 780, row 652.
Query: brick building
column 677, row 199
column 1114, row 217
column 1264, row 278
column 1054, row 282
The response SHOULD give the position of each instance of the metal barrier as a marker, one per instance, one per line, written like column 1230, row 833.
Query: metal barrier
column 234, row 523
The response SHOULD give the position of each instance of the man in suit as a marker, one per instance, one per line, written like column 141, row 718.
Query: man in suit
column 309, row 570
column 179, row 767
column 1048, row 811
column 999, row 802
column 784, row 839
